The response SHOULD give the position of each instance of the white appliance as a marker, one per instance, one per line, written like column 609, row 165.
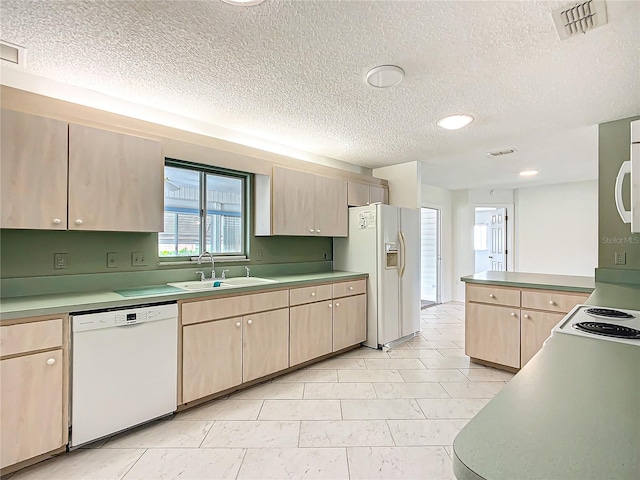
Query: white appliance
column 615, row 325
column 631, row 167
column 384, row 241
column 124, row 369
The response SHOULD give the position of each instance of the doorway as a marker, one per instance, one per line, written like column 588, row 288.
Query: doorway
column 490, row 239
column 430, row 245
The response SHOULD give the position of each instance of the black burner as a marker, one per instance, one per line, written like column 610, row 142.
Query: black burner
column 607, row 313
column 608, row 330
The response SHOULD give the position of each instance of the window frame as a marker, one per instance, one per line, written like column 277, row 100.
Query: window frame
column 203, row 171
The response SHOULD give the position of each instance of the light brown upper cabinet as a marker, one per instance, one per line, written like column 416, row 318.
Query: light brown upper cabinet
column 105, row 180
column 116, row 181
column 308, row 204
column 33, row 172
column 360, row 194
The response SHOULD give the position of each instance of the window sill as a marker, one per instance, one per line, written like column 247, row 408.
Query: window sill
column 206, row 261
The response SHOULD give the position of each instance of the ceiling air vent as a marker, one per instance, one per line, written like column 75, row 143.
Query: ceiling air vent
column 13, row 54
column 498, row 153
column 580, row 17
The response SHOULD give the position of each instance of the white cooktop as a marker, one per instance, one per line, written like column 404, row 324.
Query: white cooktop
column 579, row 315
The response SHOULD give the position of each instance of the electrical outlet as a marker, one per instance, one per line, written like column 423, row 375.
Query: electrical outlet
column 59, row 261
column 259, row 255
column 138, row 259
column 620, row 258
column 112, row 260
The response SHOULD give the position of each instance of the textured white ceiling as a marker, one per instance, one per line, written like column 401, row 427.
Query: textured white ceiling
column 293, row 73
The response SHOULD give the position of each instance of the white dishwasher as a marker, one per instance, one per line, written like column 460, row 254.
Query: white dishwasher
column 124, row 369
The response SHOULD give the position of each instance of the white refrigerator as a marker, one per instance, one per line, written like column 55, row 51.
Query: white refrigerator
column 384, row 241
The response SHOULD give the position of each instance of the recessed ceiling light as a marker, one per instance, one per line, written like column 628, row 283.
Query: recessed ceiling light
column 528, row 173
column 385, row 76
column 454, row 122
column 243, row 3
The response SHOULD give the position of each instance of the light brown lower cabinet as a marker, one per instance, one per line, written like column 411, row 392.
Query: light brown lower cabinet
column 211, row 357
column 349, row 321
column 493, row 334
column 311, row 330
column 535, row 328
column 31, row 406
column 265, row 344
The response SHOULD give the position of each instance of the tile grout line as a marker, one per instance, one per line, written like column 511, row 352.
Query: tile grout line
column 134, row 464
column 241, row 462
column 207, row 434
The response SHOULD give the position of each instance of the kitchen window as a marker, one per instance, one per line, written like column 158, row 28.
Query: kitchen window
column 204, row 210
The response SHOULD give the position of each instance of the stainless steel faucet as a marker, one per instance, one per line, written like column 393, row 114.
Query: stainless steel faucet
column 213, row 270
column 248, row 271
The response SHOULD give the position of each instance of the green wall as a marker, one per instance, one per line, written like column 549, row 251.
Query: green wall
column 29, row 253
column 614, row 140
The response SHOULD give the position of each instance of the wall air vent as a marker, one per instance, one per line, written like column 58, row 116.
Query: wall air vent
column 580, row 17
column 12, row 54
column 498, row 153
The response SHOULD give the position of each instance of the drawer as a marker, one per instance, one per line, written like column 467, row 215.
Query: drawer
column 27, row 337
column 344, row 289
column 214, row 309
column 552, row 300
column 316, row 293
column 493, row 295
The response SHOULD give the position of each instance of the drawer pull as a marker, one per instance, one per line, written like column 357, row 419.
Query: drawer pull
column 513, row 314
column 350, row 288
column 237, row 324
column 313, row 294
column 51, row 361
column 337, row 304
column 551, row 302
column 330, row 305
column 526, row 316
column 491, row 295
column 249, row 322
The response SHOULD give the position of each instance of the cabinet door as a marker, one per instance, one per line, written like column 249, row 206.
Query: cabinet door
column 116, row 181
column 357, row 194
column 292, row 202
column 33, row 172
column 211, row 358
column 311, row 331
column 31, row 406
column 331, row 210
column 492, row 333
column 535, row 328
column 265, row 344
column 378, row 194
column 349, row 321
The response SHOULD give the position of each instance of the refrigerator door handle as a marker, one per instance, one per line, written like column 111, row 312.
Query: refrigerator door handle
column 403, row 253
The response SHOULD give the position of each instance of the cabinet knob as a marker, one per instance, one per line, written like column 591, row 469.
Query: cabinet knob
column 237, row 324
column 311, row 230
column 513, row 314
column 330, row 305
column 249, row 322
column 337, row 304
column 526, row 316
column 313, row 294
column 57, row 221
column 551, row 302
column 318, row 231
column 78, row 222
column 491, row 295
column 350, row 288
column 51, row 361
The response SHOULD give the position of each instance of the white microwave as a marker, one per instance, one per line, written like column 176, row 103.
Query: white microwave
column 632, row 168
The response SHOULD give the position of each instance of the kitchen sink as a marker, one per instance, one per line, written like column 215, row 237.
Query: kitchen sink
column 201, row 286
column 246, row 281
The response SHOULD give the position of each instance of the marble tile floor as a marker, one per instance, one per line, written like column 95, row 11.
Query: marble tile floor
column 365, row 415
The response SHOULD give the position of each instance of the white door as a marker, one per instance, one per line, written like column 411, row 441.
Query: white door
column 430, row 221
column 410, row 271
column 498, row 240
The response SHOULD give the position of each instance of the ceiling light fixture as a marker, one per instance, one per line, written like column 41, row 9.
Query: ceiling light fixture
column 499, row 153
column 528, row 173
column 454, row 122
column 385, row 76
column 243, row 3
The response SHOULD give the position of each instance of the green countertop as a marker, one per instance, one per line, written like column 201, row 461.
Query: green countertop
column 570, row 283
column 573, row 412
column 36, row 305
